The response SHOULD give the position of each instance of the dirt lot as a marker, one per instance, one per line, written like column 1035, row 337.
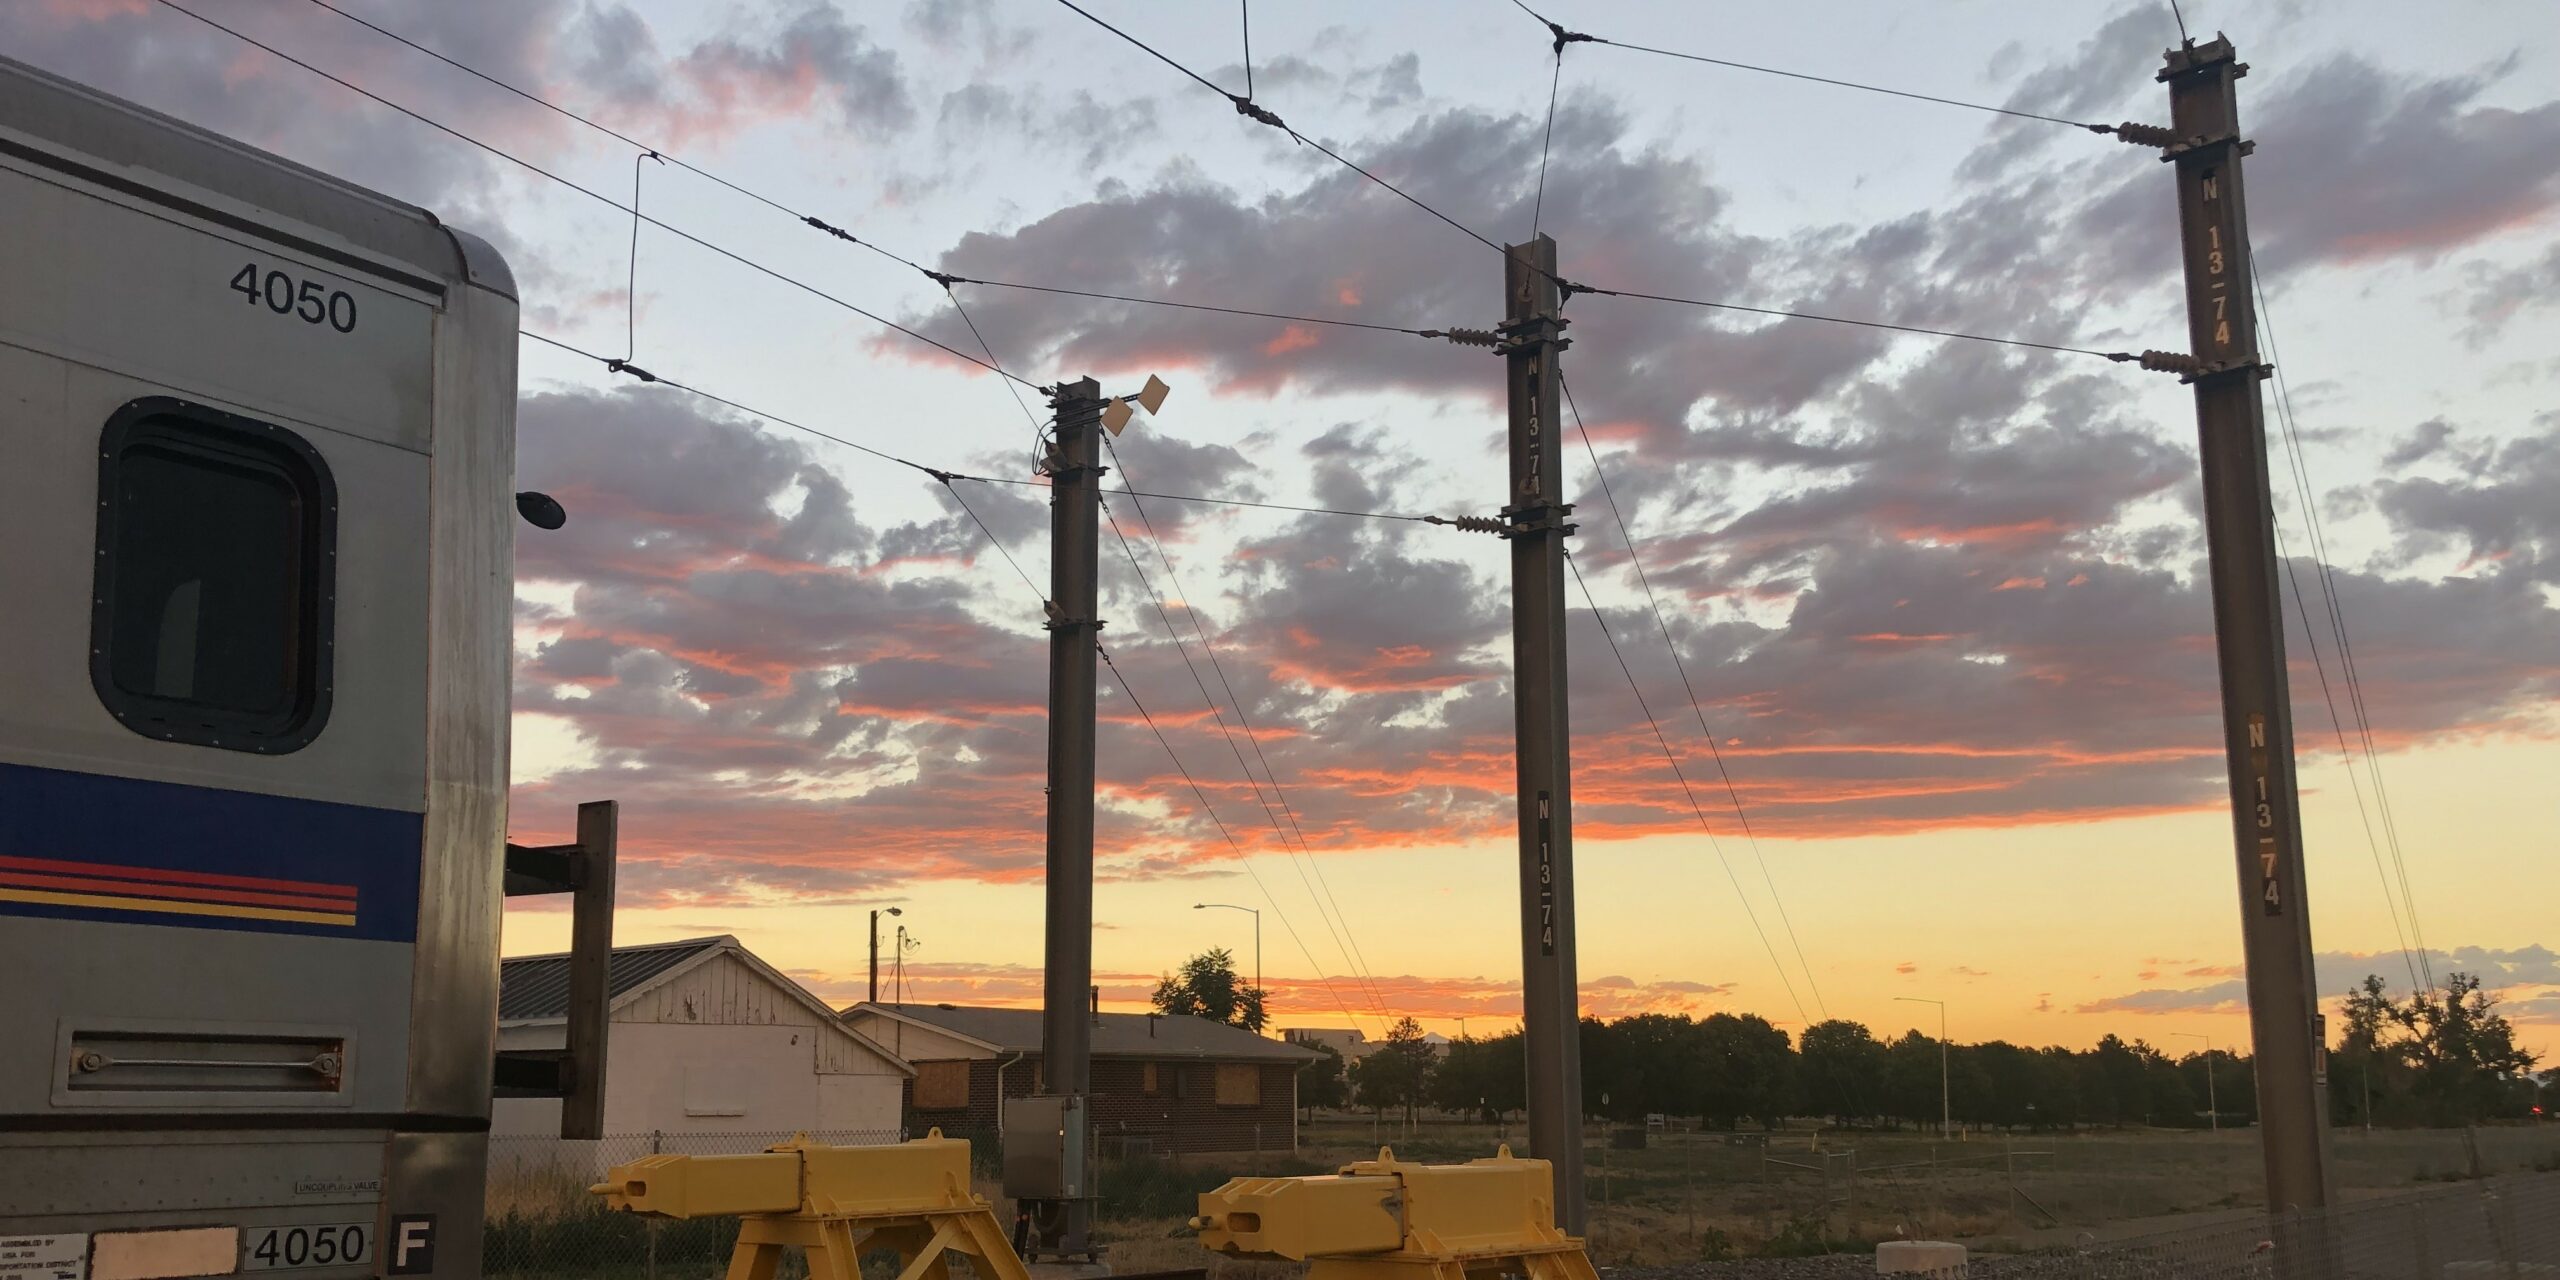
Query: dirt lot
column 1689, row 1198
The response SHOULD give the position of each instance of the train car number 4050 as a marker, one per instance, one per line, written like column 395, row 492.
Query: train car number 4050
column 287, row 296
column 334, row 1244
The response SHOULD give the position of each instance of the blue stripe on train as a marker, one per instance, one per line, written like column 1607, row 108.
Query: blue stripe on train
column 161, row 826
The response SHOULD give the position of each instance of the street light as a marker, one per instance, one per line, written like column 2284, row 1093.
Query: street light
column 875, row 949
column 1946, row 1112
column 1257, row 938
column 2213, row 1109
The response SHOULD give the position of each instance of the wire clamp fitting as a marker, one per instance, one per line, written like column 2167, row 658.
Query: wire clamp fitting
column 1249, row 108
column 625, row 366
column 830, row 228
column 1564, row 37
column 944, row 278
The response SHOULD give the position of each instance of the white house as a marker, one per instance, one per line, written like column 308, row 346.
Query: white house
column 704, row 1038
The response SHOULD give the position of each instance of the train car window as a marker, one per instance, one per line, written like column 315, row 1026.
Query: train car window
column 212, row 609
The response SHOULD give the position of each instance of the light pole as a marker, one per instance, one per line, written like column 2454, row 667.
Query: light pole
column 1946, row 1111
column 903, row 942
column 2213, row 1109
column 876, row 913
column 1257, row 943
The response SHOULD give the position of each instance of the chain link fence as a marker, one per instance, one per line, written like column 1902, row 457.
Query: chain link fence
column 544, row 1223
column 2501, row 1228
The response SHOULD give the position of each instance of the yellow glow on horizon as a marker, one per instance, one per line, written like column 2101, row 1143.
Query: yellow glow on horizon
column 2017, row 928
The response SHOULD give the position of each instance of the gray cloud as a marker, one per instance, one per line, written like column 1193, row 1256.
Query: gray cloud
column 812, row 55
column 2498, row 508
column 2499, row 294
column 2336, row 972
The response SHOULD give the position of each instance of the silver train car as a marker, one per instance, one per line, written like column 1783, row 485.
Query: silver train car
column 256, row 556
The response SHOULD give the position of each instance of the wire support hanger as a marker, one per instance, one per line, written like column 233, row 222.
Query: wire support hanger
column 1564, row 37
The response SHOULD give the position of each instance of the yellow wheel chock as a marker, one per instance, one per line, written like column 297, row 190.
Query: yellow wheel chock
column 1386, row 1219
column 834, row 1204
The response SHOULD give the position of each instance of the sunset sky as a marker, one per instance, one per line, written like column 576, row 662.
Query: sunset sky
column 1941, row 601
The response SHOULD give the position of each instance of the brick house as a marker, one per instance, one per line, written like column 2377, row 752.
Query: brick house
column 1160, row 1084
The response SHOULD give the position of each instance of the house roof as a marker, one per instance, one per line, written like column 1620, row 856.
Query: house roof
column 1115, row 1035
column 534, row 988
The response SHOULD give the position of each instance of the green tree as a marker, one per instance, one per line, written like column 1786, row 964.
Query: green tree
column 2368, row 1073
column 1843, row 1070
column 1207, row 987
column 1741, row 1067
column 1397, row 1073
column 1321, row 1083
column 2462, row 1052
column 1483, row 1078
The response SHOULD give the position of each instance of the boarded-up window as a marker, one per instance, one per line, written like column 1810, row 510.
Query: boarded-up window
column 1148, row 1084
column 713, row 1091
column 942, row 1086
column 1239, row 1084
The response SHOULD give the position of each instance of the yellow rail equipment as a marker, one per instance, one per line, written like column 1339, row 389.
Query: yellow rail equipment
column 1386, row 1219
column 832, row 1203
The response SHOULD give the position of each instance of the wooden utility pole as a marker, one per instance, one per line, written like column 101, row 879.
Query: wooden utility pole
column 1075, row 469
column 1534, row 522
column 2288, row 1035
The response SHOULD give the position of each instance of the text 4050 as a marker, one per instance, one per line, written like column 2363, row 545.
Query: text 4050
column 287, row 296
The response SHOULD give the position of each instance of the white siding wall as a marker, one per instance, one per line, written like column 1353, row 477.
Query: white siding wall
column 720, row 1049
column 712, row 1079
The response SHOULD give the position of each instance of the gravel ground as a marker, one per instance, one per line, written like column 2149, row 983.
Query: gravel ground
column 1841, row 1266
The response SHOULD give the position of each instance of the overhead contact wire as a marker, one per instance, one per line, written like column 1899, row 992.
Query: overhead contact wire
column 1229, row 837
column 589, row 192
column 1578, row 37
column 1218, row 717
column 2300, row 468
column 1353, row 951
column 2119, row 357
column 1246, row 106
column 1696, row 809
column 1696, row 708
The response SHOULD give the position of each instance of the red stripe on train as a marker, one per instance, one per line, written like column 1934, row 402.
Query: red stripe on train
column 87, row 884
column 344, row 892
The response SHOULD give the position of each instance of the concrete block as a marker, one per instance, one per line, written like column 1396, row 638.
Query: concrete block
column 1935, row 1259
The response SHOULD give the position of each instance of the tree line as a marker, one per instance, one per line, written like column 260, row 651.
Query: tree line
column 2439, row 1058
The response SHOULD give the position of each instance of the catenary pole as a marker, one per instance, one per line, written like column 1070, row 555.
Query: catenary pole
column 1534, row 522
column 2288, row 1037
column 1066, row 1019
